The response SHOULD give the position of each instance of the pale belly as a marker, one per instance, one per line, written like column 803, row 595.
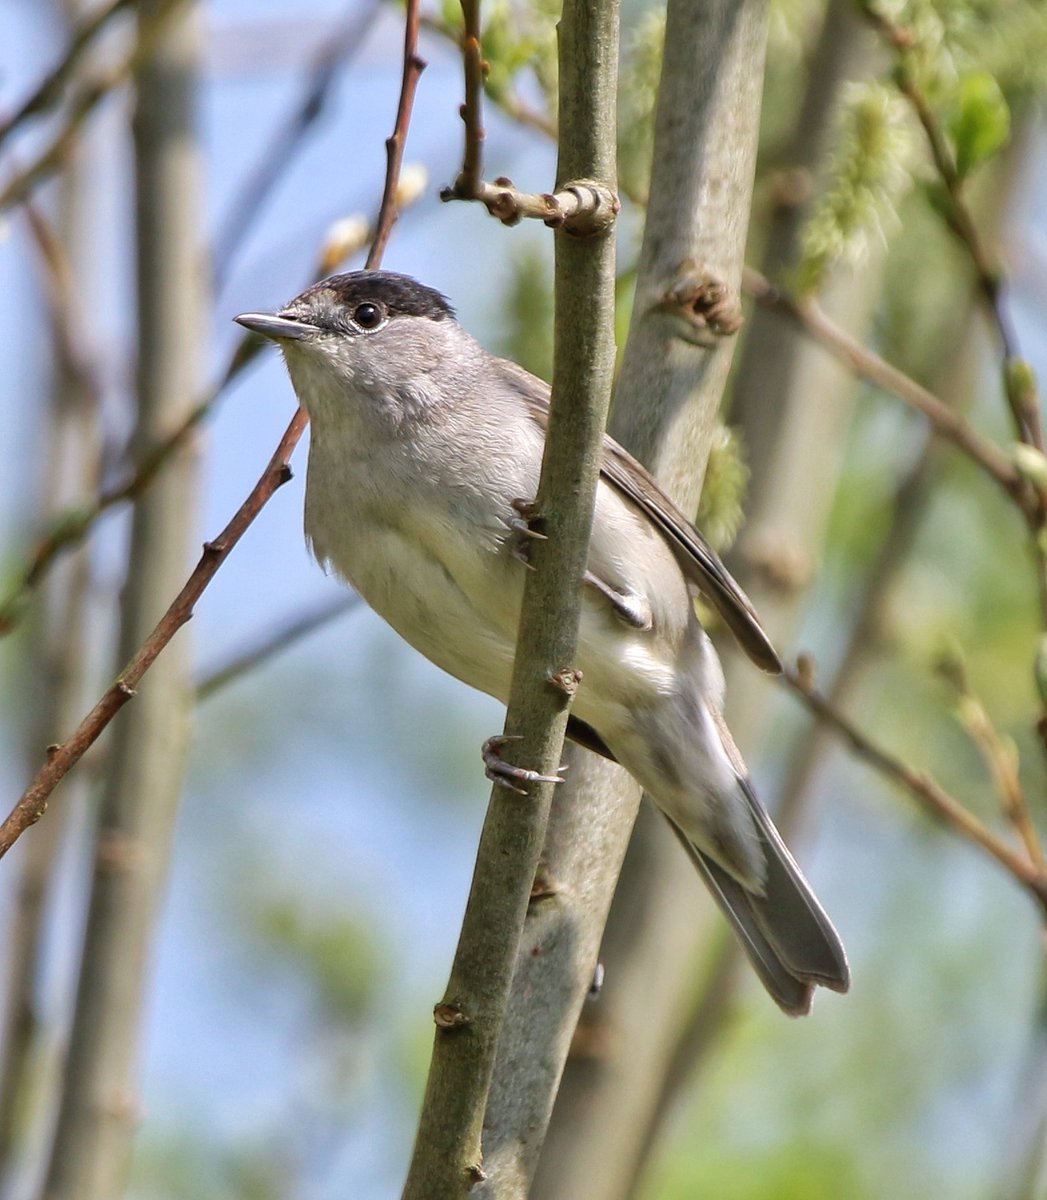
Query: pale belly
column 460, row 608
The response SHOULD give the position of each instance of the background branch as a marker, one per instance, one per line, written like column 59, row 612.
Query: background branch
column 142, row 785
column 946, row 421
column 931, row 796
column 49, row 160
column 287, row 139
column 48, row 93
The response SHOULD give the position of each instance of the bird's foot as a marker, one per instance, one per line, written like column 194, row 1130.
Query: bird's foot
column 502, row 773
column 522, row 531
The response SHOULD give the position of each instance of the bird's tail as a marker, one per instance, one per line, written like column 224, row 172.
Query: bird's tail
column 785, row 932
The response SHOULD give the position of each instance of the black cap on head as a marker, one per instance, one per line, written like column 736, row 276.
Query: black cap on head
column 399, row 295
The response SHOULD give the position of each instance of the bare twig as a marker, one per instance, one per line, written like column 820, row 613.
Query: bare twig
column 275, row 641
column 946, row 421
column 1023, row 401
column 48, row 93
column 22, row 182
column 61, row 759
column 1000, row 756
column 506, row 99
column 394, row 145
column 930, row 795
column 585, row 207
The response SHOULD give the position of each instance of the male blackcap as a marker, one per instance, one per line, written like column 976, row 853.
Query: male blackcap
column 423, row 446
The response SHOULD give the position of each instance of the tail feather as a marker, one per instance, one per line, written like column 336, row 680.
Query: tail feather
column 784, row 931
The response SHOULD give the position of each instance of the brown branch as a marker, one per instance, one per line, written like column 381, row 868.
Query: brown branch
column 945, row 421
column 24, row 180
column 62, row 758
column 394, row 145
column 585, row 207
column 925, row 790
column 48, row 93
column 1025, row 407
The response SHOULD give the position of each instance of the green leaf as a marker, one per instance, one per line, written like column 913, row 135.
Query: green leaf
column 981, row 123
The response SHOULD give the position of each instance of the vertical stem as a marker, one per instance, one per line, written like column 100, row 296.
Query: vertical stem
column 91, row 1150
column 448, row 1159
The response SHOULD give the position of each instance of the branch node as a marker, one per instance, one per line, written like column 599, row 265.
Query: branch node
column 450, row 1016
column 705, row 300
column 125, row 689
column 566, row 680
column 544, row 887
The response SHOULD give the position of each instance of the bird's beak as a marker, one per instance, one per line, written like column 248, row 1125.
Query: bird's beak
column 279, row 328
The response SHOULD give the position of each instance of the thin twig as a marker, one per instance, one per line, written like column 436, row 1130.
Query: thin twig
column 946, row 421
column 50, row 158
column 585, row 207
column 1000, row 756
column 506, row 99
column 931, row 796
column 48, row 93
column 61, row 759
column 273, row 642
column 1025, row 408
column 394, row 145
column 67, row 323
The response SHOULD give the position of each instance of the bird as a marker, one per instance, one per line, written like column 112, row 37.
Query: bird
column 425, row 451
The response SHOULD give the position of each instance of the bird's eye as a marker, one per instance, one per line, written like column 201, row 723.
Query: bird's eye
column 367, row 316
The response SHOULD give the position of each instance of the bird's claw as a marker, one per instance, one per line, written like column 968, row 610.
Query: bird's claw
column 502, row 773
column 522, row 530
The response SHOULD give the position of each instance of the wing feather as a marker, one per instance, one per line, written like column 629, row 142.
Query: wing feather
column 698, row 560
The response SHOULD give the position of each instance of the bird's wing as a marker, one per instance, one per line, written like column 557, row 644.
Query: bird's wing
column 698, row 560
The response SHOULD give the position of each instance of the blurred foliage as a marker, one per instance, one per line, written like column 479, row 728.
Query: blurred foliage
column 721, row 507
column 869, row 171
column 528, row 322
column 335, row 951
column 193, row 1164
column 638, row 92
column 971, row 61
